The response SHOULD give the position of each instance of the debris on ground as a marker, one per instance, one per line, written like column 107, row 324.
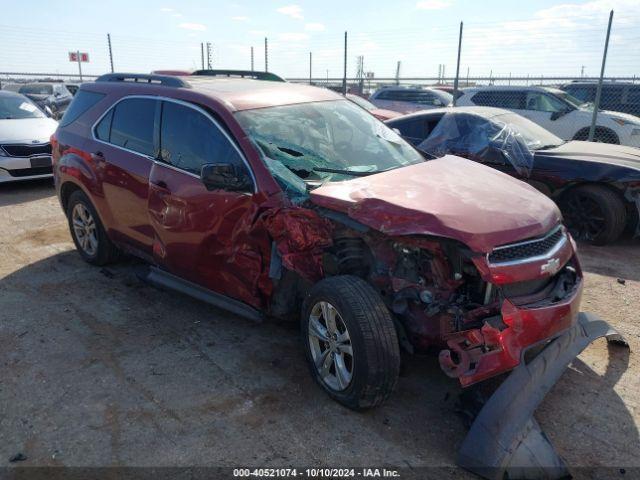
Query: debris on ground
column 18, row 457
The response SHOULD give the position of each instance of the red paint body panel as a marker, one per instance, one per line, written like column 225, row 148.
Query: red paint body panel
column 450, row 197
column 383, row 114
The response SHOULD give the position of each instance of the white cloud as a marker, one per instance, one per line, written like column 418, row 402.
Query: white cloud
column 240, row 18
column 166, row 9
column 293, row 11
column 314, row 27
column 193, row 26
column 434, row 4
column 292, row 37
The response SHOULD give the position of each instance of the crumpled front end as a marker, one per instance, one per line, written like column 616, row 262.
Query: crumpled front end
column 538, row 287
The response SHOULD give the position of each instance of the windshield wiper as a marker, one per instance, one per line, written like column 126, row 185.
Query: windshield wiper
column 345, row 172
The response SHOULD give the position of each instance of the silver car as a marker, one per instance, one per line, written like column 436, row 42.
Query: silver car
column 25, row 149
column 410, row 99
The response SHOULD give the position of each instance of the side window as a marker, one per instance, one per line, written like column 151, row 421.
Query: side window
column 509, row 99
column 103, row 129
column 133, row 123
column 189, row 140
column 542, row 102
column 82, row 102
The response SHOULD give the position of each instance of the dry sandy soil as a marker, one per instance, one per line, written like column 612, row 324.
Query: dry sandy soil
column 99, row 369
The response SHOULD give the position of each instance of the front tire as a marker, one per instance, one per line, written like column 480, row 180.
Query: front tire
column 594, row 214
column 350, row 342
column 87, row 231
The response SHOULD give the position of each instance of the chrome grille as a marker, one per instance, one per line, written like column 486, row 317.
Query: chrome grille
column 529, row 249
column 27, row 150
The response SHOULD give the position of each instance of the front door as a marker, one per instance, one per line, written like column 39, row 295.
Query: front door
column 200, row 235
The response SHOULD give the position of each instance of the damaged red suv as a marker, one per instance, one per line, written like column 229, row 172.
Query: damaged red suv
column 274, row 199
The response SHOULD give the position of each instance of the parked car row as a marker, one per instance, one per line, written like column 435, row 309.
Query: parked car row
column 557, row 110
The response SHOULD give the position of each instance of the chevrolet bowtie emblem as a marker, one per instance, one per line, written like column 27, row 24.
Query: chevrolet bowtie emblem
column 551, row 267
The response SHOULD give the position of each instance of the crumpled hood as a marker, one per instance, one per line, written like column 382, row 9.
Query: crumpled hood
column 449, row 197
column 596, row 152
column 26, row 130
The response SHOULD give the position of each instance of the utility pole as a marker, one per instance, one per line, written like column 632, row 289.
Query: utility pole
column 398, row 72
column 344, row 76
column 266, row 55
column 467, row 76
column 596, row 104
column 310, row 67
column 110, row 51
column 582, row 71
column 79, row 65
column 202, row 54
column 360, row 74
column 209, row 54
column 455, row 82
column 439, row 72
column 252, row 59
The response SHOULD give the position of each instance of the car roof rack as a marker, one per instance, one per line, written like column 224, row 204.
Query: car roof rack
column 164, row 80
column 239, row 73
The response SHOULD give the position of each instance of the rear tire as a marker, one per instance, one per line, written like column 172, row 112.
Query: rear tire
column 600, row 135
column 359, row 315
column 87, row 231
column 594, row 214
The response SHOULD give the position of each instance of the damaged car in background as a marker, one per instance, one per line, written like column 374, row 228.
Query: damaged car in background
column 596, row 185
column 273, row 199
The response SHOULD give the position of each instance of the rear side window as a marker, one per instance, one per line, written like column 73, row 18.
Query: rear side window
column 82, row 102
column 132, row 125
column 508, row 99
column 189, row 140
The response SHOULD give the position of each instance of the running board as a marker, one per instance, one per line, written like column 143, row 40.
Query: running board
column 160, row 278
column 505, row 441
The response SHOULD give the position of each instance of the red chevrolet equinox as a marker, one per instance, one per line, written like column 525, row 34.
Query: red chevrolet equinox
column 268, row 198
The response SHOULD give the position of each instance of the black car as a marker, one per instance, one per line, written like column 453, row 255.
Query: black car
column 596, row 185
column 615, row 96
column 55, row 96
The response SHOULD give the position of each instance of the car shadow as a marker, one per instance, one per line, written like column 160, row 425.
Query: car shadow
column 14, row 193
column 139, row 376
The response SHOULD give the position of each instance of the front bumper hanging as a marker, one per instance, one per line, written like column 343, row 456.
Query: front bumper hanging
column 505, row 441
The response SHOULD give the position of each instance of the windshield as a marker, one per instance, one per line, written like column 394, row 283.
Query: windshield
column 534, row 136
column 325, row 141
column 37, row 89
column 570, row 99
column 14, row 107
column 366, row 104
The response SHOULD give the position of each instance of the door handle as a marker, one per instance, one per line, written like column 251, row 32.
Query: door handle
column 160, row 184
column 98, row 156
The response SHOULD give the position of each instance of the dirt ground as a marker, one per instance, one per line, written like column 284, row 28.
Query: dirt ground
column 99, row 369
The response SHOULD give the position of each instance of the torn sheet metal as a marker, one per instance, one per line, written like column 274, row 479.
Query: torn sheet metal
column 473, row 137
column 505, row 441
column 300, row 236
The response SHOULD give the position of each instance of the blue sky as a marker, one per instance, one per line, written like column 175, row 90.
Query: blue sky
column 534, row 38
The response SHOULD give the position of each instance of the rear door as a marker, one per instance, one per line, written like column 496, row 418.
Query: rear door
column 201, row 235
column 123, row 151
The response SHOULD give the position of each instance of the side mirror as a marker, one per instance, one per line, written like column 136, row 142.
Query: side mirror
column 226, row 177
column 559, row 114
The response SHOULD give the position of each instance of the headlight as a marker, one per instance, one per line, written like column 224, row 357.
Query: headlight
column 623, row 121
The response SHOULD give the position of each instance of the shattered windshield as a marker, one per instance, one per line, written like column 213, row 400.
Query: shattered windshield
column 503, row 137
column 324, row 141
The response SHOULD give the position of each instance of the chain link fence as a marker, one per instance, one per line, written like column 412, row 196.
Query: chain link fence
column 545, row 68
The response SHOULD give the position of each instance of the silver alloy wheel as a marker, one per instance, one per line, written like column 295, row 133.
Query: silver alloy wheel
column 330, row 346
column 84, row 228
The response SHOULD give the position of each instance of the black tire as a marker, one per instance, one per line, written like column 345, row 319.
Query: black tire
column 105, row 252
column 600, row 135
column 376, row 352
column 594, row 214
